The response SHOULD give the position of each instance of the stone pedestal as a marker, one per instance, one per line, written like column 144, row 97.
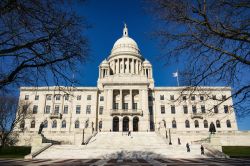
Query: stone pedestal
column 36, row 142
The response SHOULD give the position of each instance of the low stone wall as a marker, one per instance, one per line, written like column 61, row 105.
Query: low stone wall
column 74, row 138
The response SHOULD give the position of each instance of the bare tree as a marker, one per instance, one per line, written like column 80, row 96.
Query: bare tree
column 12, row 118
column 212, row 40
column 40, row 42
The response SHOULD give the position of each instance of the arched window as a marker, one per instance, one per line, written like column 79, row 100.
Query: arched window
column 54, row 124
column 187, row 124
column 174, row 124
column 228, row 124
column 217, row 123
column 196, row 124
column 77, row 124
column 100, row 125
column 33, row 124
column 45, row 124
column 64, row 124
column 205, row 124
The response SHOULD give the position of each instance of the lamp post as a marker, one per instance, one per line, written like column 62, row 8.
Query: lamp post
column 170, row 143
column 83, row 138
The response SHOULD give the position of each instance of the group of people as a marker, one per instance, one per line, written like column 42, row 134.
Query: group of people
column 202, row 148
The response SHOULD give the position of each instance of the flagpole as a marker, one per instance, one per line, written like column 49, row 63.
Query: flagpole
column 177, row 78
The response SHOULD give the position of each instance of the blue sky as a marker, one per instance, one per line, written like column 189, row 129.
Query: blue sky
column 106, row 18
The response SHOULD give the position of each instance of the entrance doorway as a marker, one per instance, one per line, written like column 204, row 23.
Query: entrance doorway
column 125, row 124
column 135, row 123
column 116, row 124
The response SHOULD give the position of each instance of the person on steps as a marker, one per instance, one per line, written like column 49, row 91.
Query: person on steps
column 202, row 150
column 188, row 147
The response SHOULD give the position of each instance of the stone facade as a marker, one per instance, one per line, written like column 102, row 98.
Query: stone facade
column 125, row 99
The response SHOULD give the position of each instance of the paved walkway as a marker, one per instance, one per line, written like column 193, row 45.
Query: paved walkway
column 134, row 162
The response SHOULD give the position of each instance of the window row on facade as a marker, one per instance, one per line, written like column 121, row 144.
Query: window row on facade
column 57, row 110
column 58, row 97
column 205, row 124
column 54, row 124
column 192, row 97
column 194, row 109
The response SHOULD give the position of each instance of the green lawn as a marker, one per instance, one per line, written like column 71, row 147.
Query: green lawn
column 236, row 151
column 14, row 151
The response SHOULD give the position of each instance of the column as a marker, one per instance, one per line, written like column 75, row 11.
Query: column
column 99, row 73
column 118, row 66
column 146, row 125
column 109, row 99
column 140, row 101
column 136, row 67
column 114, row 71
column 120, row 101
column 132, row 67
column 127, row 69
column 131, row 99
column 130, row 123
column 120, row 123
column 123, row 65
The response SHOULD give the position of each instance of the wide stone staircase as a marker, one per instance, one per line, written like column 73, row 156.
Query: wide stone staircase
column 117, row 145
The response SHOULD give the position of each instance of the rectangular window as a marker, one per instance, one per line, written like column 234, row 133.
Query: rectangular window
column 115, row 106
column 184, row 98
column 66, row 97
column 89, row 97
column 36, row 97
column 88, row 109
column 203, row 110
column 193, row 98
column 194, row 109
column 202, row 98
column 101, row 98
column 214, row 97
column 48, row 97
column 65, row 109
column 134, row 106
column 101, row 110
column 226, row 109
column 185, row 109
column 78, row 97
column 125, row 106
column 58, row 97
column 56, row 109
column 162, row 109
column 216, row 110
column 224, row 97
column 35, row 108
column 161, row 97
column 150, row 98
column 172, row 109
column 26, row 97
column 171, row 97
column 47, row 109
column 78, row 109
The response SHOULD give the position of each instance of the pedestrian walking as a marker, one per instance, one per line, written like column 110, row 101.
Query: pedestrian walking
column 188, row 147
column 179, row 141
column 202, row 150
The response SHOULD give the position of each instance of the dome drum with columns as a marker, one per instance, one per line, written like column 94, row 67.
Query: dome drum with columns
column 125, row 62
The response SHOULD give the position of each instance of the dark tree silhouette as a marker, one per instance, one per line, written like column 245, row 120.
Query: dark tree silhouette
column 12, row 119
column 40, row 41
column 212, row 39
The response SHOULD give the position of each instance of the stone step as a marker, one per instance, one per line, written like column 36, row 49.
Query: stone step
column 115, row 145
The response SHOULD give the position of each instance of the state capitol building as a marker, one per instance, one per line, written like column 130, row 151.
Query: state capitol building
column 125, row 99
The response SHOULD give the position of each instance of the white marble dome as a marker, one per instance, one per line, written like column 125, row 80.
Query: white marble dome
column 125, row 45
